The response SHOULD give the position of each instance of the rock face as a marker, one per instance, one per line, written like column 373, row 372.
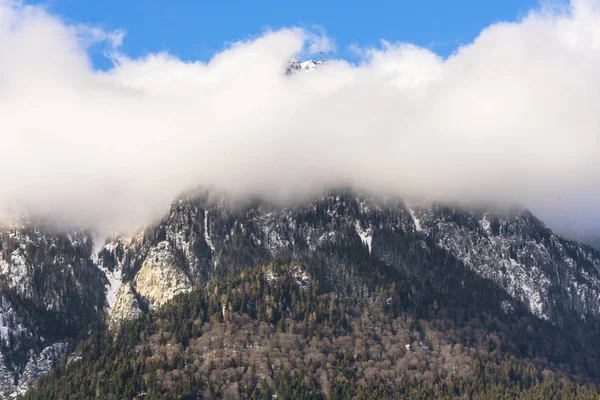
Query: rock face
column 39, row 365
column 126, row 306
column 160, row 277
column 50, row 290
column 204, row 238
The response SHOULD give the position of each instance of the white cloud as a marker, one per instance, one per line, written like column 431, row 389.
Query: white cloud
column 512, row 116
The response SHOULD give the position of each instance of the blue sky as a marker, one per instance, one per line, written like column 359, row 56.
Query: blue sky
column 195, row 30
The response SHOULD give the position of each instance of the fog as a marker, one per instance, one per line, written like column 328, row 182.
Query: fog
column 511, row 117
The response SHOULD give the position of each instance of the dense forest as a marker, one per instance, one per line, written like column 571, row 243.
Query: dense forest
column 277, row 331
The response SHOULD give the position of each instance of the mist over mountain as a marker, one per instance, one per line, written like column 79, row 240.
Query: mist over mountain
column 594, row 242
column 508, row 118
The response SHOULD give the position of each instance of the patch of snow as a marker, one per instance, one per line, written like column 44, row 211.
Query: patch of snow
column 10, row 322
column 15, row 271
column 416, row 220
column 207, row 237
column 114, row 277
column 325, row 237
column 506, row 307
column 485, row 225
column 112, row 287
column 366, row 235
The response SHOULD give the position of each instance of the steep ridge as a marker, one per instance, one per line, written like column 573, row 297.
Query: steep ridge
column 209, row 238
column 552, row 276
column 50, row 290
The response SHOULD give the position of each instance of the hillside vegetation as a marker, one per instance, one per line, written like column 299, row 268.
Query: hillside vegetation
column 277, row 331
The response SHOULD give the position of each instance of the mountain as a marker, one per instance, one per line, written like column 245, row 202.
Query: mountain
column 296, row 66
column 501, row 278
column 202, row 239
column 50, row 291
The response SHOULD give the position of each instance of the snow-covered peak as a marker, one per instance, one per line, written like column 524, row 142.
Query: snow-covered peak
column 297, row 66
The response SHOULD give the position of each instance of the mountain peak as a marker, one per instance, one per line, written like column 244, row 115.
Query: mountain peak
column 297, row 66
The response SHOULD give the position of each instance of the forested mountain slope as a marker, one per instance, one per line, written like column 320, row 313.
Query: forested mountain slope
column 279, row 332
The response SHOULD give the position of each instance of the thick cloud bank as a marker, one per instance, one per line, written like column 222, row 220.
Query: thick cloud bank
column 513, row 116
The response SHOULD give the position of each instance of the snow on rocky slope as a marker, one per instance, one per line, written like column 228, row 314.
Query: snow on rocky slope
column 49, row 291
column 544, row 271
column 205, row 237
column 110, row 261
